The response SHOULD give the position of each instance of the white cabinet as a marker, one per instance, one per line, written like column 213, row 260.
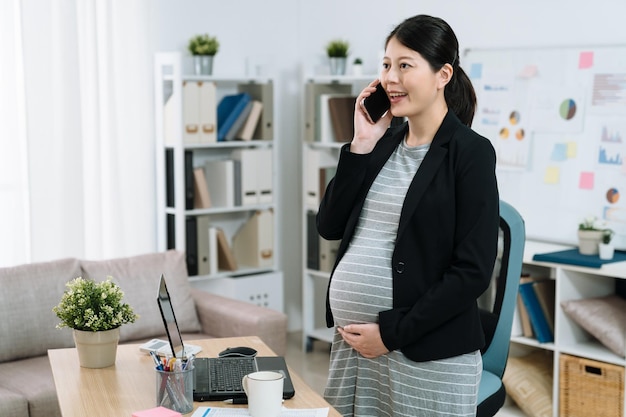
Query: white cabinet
column 572, row 283
column 240, row 175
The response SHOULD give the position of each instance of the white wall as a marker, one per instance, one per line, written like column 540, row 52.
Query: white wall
column 286, row 37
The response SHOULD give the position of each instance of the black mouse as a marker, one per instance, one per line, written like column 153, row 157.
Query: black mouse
column 240, row 351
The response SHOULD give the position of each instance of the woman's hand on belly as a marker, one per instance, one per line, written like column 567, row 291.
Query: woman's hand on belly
column 364, row 338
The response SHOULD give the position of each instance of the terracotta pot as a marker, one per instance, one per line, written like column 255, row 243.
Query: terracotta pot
column 588, row 241
column 96, row 349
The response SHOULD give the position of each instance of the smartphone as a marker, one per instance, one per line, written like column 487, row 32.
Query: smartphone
column 377, row 104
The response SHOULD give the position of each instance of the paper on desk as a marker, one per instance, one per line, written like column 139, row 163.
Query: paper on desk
column 239, row 412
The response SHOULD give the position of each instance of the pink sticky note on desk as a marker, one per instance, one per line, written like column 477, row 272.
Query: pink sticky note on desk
column 157, row 412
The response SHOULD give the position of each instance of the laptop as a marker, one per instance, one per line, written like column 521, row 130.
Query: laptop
column 217, row 379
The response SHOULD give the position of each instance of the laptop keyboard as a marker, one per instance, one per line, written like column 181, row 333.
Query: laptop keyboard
column 226, row 373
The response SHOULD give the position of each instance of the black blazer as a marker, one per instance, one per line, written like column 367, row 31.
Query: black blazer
column 446, row 242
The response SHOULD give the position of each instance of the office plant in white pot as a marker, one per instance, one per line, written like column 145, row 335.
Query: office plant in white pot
column 203, row 48
column 606, row 248
column 590, row 232
column 95, row 312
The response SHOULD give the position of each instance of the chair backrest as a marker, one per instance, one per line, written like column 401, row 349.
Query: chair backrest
column 499, row 320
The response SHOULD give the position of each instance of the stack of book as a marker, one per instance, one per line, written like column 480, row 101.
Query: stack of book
column 536, row 307
column 237, row 117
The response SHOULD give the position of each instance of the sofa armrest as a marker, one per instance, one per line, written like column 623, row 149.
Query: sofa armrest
column 227, row 317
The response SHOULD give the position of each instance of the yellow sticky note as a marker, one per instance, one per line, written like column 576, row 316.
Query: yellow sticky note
column 572, row 149
column 552, row 175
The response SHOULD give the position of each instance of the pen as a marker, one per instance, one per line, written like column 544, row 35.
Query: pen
column 157, row 362
column 236, row 401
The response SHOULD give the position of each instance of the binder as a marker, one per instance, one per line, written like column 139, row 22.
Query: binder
column 264, row 93
column 312, row 242
column 201, row 189
column 191, row 235
column 207, row 114
column 312, row 185
column 190, row 194
column 253, row 244
column 327, row 253
column 220, row 177
column 313, row 91
column 249, row 126
column 228, row 110
column 204, row 245
column 191, row 112
column 342, row 117
column 265, row 183
column 169, row 177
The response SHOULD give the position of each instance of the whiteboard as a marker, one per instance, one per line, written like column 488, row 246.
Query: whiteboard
column 557, row 119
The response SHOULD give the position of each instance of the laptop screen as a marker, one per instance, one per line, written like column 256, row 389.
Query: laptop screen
column 167, row 312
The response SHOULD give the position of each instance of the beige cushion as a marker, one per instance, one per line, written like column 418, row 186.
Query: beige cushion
column 603, row 317
column 138, row 277
column 528, row 381
column 27, row 295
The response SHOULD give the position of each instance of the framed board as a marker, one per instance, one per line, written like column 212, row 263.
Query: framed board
column 557, row 120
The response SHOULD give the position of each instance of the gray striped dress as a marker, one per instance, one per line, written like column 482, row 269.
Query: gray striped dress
column 390, row 385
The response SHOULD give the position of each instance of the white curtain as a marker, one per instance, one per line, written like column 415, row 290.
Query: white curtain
column 80, row 149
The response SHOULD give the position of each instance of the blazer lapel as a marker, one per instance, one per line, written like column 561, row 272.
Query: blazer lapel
column 427, row 170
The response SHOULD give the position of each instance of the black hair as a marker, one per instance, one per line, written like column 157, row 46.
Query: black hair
column 436, row 42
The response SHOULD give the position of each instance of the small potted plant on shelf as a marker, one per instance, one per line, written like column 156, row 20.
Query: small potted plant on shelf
column 606, row 248
column 95, row 312
column 590, row 232
column 357, row 66
column 203, row 48
column 337, row 51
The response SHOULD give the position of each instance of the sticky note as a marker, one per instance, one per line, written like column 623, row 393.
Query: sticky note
column 586, row 181
column 585, row 60
column 559, row 152
column 572, row 149
column 476, row 70
column 552, row 175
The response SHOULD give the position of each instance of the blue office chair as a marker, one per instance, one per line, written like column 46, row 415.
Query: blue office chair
column 497, row 318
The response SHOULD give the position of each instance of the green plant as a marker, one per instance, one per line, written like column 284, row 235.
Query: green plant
column 203, row 45
column 591, row 223
column 607, row 235
column 357, row 61
column 337, row 48
column 93, row 306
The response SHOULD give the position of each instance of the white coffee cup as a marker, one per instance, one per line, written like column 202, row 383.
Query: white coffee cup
column 265, row 393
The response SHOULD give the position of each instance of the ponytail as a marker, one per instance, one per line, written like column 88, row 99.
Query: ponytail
column 460, row 96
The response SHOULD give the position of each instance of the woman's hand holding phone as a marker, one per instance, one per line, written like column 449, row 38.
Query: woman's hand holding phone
column 366, row 132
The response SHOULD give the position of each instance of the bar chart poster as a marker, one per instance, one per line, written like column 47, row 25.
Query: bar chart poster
column 556, row 117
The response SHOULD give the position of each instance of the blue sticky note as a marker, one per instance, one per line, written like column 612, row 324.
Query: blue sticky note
column 476, row 70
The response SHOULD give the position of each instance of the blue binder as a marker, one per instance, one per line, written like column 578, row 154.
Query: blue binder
column 537, row 319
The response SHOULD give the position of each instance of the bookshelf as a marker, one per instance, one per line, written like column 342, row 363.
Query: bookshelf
column 241, row 183
column 320, row 153
column 572, row 283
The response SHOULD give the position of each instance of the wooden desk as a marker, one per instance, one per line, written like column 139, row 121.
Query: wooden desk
column 129, row 385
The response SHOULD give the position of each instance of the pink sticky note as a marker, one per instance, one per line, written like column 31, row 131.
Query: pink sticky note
column 157, row 412
column 586, row 181
column 585, row 60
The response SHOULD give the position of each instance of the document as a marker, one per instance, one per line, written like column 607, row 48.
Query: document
column 238, row 412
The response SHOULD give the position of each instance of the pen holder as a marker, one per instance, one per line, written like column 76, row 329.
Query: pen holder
column 174, row 390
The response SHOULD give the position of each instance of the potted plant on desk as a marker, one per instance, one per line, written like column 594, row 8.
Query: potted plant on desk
column 606, row 248
column 590, row 234
column 95, row 312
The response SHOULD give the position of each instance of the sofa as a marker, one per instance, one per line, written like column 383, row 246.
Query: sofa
column 28, row 326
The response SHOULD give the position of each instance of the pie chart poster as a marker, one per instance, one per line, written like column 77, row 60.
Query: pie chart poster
column 557, row 120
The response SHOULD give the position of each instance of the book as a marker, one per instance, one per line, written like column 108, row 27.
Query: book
column 247, row 130
column 538, row 319
column 342, row 117
column 239, row 122
column 191, row 234
column 225, row 258
column 228, row 111
column 545, row 290
column 201, row 188
column 527, row 328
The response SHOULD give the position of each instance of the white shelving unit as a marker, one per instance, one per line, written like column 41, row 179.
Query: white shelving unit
column 172, row 218
column 572, row 282
column 319, row 152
